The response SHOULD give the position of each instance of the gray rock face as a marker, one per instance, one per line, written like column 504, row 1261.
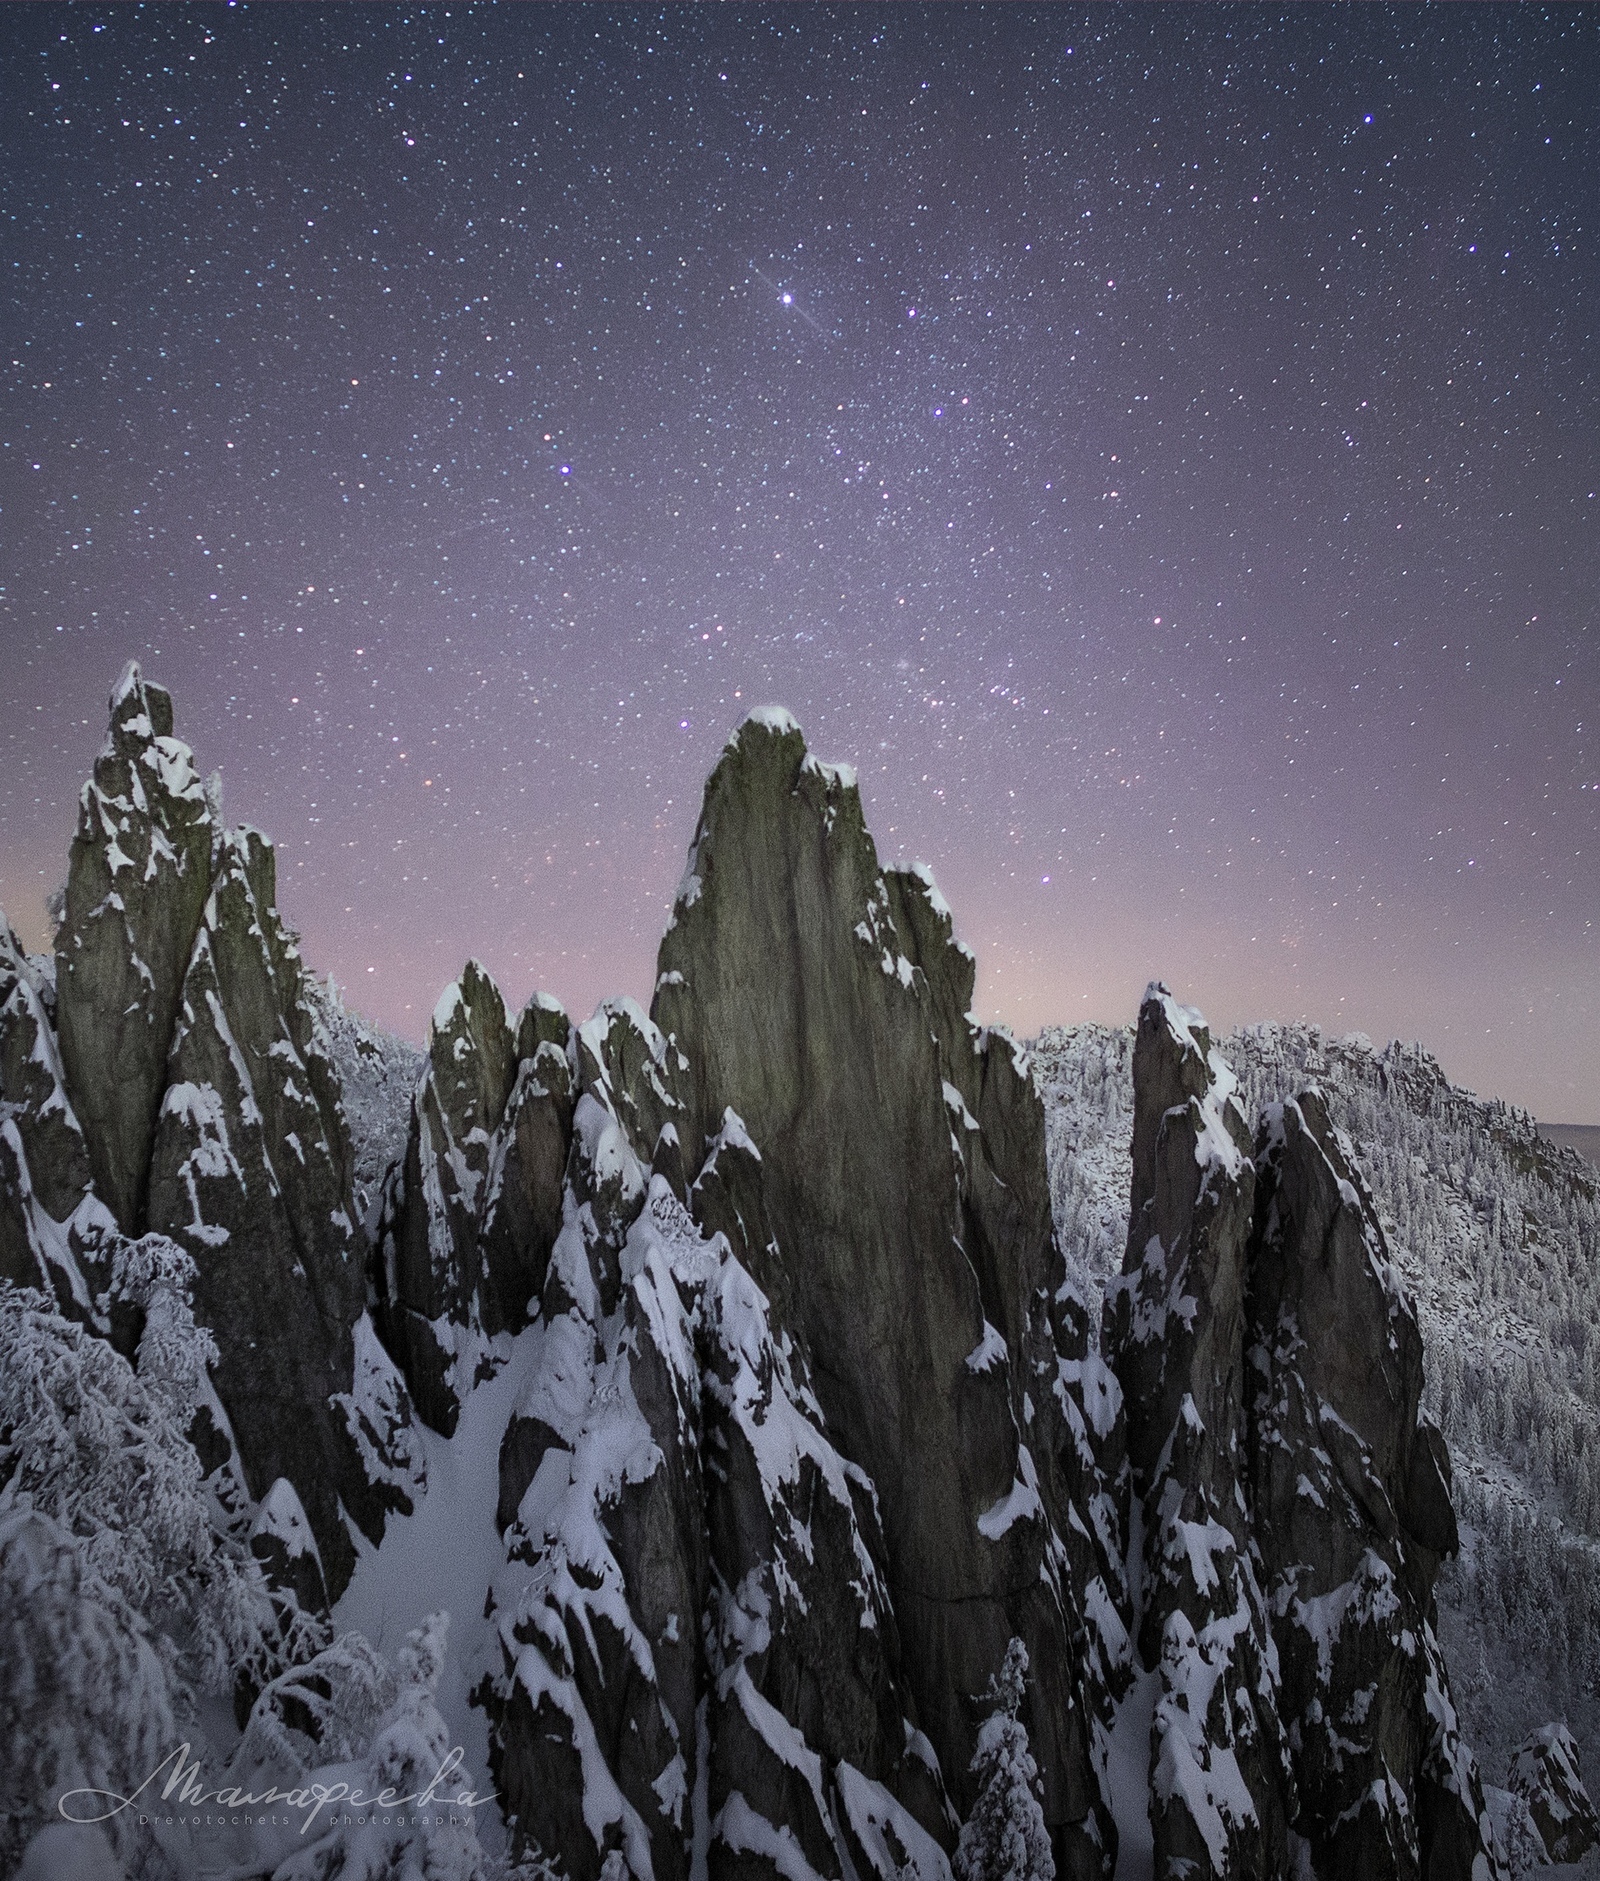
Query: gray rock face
column 808, row 1423
column 522, row 1204
column 1064, row 1397
column 705, row 1611
column 600, row 1491
column 1221, row 1786
column 190, row 1092
column 1545, row 1773
column 1295, row 1508
column 250, row 1173
column 53, row 1230
column 137, row 882
column 282, row 1541
column 788, row 985
column 430, row 1235
column 1351, row 1494
column 468, row 1223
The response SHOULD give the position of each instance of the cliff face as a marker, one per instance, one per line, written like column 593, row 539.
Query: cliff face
column 185, row 1089
column 249, row 1170
column 1221, row 1787
column 807, row 1442
column 920, row 1242
column 136, row 885
column 53, row 1227
column 1295, row 1503
column 1351, row 1495
column 869, row 1318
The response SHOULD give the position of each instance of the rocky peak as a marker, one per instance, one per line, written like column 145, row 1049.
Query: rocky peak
column 626, row 1053
column 250, row 1173
column 1221, row 1784
column 136, row 885
column 1545, row 1774
column 1321, row 1263
column 32, row 1085
column 1295, row 1506
column 429, row 1234
column 787, row 984
column 522, row 1204
column 803, row 1446
column 1175, row 1320
column 191, row 1088
column 702, row 1613
column 1350, row 1492
column 472, row 1054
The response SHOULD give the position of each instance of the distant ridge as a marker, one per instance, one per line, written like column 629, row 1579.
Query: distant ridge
column 1583, row 1137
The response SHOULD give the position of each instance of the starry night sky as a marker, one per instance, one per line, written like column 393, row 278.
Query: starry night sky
column 1158, row 446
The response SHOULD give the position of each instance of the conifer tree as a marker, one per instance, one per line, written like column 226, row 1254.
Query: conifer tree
column 1005, row 1839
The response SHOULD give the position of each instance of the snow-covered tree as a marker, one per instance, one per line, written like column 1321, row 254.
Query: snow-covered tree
column 365, row 1730
column 1005, row 1838
column 120, row 1599
column 102, row 1449
column 85, row 1692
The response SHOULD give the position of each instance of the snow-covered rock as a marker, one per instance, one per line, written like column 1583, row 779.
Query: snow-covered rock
column 824, row 1003
column 136, row 888
column 777, row 1421
column 1349, row 1378
column 250, row 1171
column 700, row 1649
column 378, row 1074
column 469, row 1217
column 191, row 1091
column 54, row 1230
column 1222, row 1793
column 1350, row 1493
column 433, row 1214
column 1545, row 1774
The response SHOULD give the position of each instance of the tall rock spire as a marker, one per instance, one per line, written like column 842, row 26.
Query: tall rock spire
column 788, row 986
column 136, row 885
column 1221, row 1786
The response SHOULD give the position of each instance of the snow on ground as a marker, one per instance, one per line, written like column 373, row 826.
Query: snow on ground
column 1128, row 1771
column 445, row 1556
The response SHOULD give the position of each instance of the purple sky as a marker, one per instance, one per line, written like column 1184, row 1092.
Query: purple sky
column 1158, row 447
